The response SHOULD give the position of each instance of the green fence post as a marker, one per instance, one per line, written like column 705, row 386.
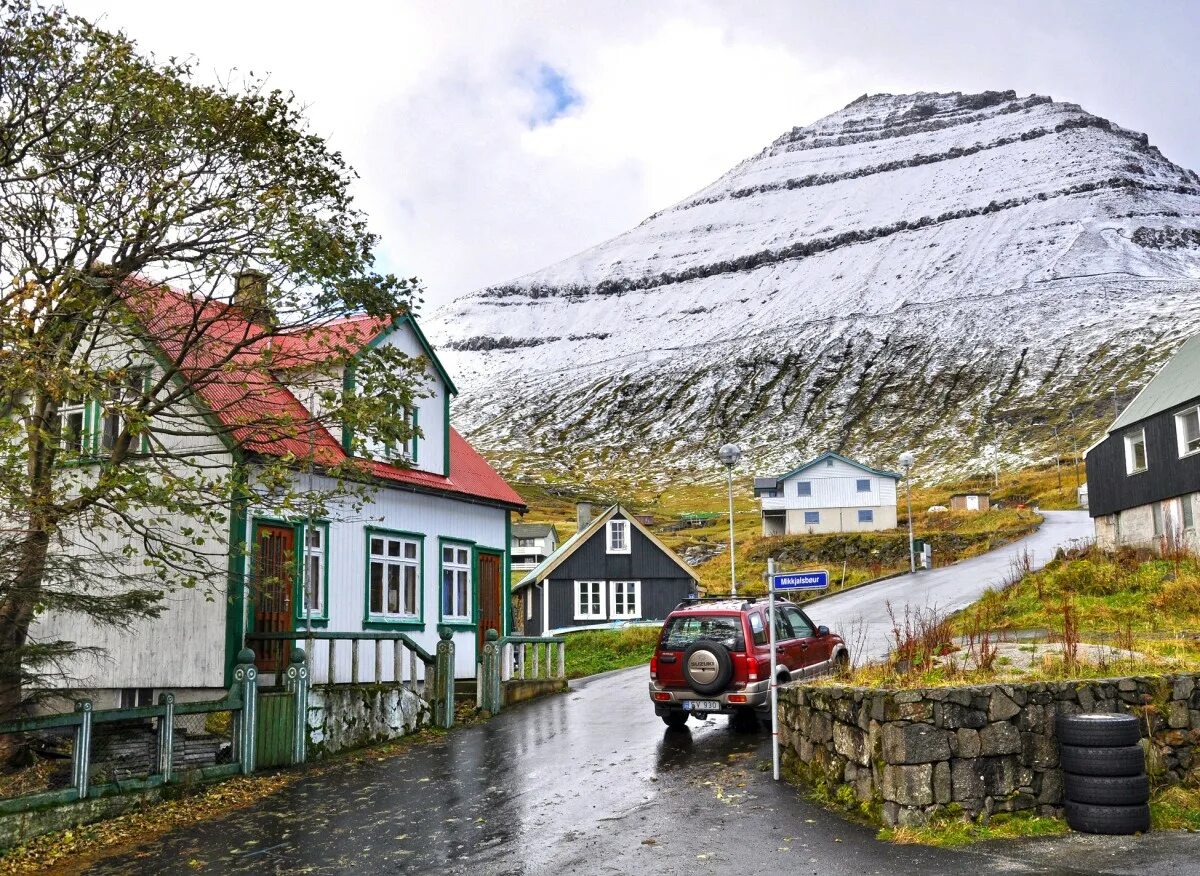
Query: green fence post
column 491, row 672
column 81, row 757
column 442, row 692
column 166, row 734
column 245, row 677
column 297, row 684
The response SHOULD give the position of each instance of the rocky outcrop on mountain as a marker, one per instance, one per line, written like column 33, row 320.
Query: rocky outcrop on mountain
column 955, row 273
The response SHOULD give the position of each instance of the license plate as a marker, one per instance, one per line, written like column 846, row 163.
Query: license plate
column 701, row 706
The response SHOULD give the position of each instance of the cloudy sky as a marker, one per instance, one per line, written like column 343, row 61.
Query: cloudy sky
column 493, row 138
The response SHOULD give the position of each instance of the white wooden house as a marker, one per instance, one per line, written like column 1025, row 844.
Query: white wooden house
column 532, row 543
column 428, row 548
column 831, row 493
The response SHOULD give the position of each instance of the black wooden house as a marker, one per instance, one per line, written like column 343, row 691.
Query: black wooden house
column 611, row 572
column 1144, row 475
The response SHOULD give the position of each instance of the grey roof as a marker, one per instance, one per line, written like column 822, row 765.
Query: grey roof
column 533, row 530
column 1176, row 382
column 766, row 483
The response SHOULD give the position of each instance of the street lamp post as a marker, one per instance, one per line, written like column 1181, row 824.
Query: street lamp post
column 906, row 463
column 730, row 455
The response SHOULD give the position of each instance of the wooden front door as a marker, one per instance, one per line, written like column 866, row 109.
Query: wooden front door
column 274, row 582
column 491, row 597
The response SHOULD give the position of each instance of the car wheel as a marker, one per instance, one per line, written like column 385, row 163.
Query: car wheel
column 1107, row 790
column 707, row 667
column 841, row 664
column 1099, row 730
column 675, row 719
column 1124, row 760
column 1115, row 820
column 744, row 720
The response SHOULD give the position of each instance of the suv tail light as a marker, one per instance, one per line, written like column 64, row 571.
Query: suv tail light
column 654, row 668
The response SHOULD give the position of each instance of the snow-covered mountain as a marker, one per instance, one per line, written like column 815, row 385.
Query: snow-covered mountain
column 956, row 272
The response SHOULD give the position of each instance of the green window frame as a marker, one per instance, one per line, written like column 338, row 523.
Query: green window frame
column 467, row 619
column 386, row 550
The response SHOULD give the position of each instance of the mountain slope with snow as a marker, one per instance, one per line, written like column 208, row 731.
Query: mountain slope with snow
column 955, row 273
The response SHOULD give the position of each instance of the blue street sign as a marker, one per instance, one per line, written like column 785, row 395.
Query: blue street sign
column 815, row 579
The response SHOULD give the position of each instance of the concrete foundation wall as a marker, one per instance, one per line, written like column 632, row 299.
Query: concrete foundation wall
column 351, row 716
column 841, row 520
column 1134, row 527
column 918, row 754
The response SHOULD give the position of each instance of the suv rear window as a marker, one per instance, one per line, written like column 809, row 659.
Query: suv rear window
column 680, row 632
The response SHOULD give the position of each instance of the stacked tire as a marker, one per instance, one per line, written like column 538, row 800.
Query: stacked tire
column 1105, row 787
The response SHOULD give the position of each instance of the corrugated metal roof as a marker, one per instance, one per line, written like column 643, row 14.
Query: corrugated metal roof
column 1176, row 382
column 829, row 454
column 532, row 530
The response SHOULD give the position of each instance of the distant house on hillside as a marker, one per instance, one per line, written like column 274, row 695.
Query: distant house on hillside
column 970, row 502
column 1143, row 477
column 612, row 571
column 532, row 543
column 831, row 493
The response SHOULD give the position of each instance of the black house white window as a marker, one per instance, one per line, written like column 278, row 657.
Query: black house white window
column 618, row 536
column 1187, row 426
column 626, row 599
column 1135, row 453
column 589, row 600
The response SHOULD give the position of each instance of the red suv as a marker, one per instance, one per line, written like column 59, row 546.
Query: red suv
column 714, row 655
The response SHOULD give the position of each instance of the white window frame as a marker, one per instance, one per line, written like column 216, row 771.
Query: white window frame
column 613, row 526
column 870, row 512
column 628, row 589
column 400, row 560
column 314, row 552
column 595, row 607
column 460, row 602
column 126, row 393
column 1179, row 433
column 67, row 410
column 816, row 522
column 1132, row 439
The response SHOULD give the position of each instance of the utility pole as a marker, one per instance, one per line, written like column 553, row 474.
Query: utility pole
column 1057, row 455
column 906, row 463
column 730, row 455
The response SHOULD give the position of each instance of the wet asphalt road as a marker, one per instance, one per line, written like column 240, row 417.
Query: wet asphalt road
column 592, row 782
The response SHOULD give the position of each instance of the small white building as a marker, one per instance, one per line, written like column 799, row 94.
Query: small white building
column 532, row 543
column 831, row 493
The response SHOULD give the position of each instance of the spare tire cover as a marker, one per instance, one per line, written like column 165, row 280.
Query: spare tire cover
column 707, row 667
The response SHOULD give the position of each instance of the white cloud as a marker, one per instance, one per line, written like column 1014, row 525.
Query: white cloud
column 432, row 102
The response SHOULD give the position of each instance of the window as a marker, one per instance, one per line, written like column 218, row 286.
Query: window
column 802, row 628
column 136, row 697
column 864, row 485
column 618, row 536
column 803, row 488
column 1135, row 453
column 1187, row 427
column 313, row 604
column 456, row 582
column 626, row 599
column 866, row 515
column 812, row 518
column 679, row 632
column 758, row 628
column 72, row 420
column 1156, row 513
column 124, row 394
column 524, row 542
column 529, row 604
column 589, row 600
column 394, row 573
column 1189, row 521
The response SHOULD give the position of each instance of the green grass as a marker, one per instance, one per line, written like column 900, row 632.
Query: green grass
column 593, row 651
column 956, row 832
column 1175, row 809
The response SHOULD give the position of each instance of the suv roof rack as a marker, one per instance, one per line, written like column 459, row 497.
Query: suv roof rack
column 745, row 601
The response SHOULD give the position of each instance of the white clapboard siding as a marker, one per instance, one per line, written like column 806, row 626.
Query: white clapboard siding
column 431, row 411
column 834, row 485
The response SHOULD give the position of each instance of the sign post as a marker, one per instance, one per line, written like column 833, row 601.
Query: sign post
column 816, row 579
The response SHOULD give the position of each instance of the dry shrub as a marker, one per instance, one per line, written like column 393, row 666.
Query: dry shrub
column 979, row 635
column 918, row 636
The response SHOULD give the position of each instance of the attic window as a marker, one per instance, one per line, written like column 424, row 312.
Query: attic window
column 1187, row 427
column 1135, row 453
column 618, row 536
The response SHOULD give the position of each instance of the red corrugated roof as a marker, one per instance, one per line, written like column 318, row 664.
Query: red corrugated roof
column 231, row 368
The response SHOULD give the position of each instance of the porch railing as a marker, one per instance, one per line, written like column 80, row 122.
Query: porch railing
column 379, row 658
column 163, row 717
column 516, row 658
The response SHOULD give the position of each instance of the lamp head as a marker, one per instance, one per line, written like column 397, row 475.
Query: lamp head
column 730, row 454
column 906, row 460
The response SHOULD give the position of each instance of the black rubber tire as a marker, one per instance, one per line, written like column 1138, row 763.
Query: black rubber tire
column 1098, row 730
column 841, row 664
column 1107, row 790
column 724, row 667
column 675, row 719
column 1124, row 760
column 1114, row 820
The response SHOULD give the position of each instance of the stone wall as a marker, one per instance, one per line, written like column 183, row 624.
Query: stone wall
column 910, row 755
column 351, row 716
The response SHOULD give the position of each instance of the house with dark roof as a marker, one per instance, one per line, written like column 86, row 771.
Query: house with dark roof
column 424, row 545
column 612, row 571
column 1143, row 477
column 532, row 543
column 831, row 493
